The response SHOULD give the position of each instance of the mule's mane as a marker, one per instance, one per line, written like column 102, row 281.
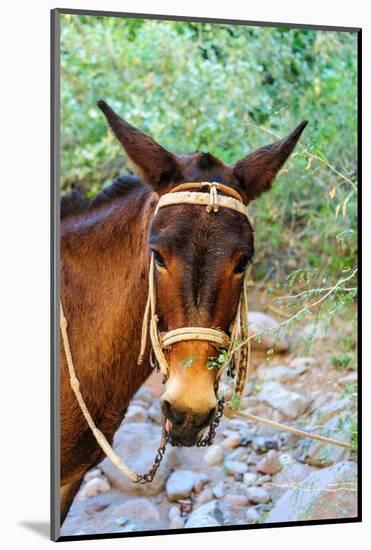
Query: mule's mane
column 75, row 203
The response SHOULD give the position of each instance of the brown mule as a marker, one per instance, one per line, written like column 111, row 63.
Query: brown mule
column 200, row 261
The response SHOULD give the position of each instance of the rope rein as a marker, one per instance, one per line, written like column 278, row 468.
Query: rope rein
column 75, row 385
column 240, row 358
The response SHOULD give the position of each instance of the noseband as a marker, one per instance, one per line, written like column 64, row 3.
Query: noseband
column 187, row 193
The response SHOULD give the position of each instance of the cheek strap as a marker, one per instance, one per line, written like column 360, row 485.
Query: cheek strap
column 238, row 345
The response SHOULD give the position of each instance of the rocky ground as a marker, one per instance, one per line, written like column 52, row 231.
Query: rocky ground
column 252, row 473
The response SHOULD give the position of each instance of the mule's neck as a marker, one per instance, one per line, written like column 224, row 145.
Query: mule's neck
column 104, row 285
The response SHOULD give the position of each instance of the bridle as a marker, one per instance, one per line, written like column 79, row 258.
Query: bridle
column 185, row 194
column 237, row 344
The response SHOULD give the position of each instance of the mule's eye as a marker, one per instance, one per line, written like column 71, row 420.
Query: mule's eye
column 242, row 265
column 159, row 259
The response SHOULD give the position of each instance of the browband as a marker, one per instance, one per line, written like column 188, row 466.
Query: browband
column 182, row 194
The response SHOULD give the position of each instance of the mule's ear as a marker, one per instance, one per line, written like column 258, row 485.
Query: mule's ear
column 156, row 165
column 257, row 170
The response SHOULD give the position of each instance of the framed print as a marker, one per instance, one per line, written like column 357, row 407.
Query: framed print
column 205, row 243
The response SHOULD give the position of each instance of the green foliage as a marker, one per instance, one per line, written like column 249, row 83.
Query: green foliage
column 219, row 361
column 235, row 401
column 188, row 361
column 227, row 90
column 351, row 420
column 341, row 362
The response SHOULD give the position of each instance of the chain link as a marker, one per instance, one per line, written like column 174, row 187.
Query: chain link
column 148, row 477
column 209, row 439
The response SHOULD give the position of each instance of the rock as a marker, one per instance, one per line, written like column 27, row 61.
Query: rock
column 277, row 372
column 205, row 496
column 138, row 508
column 327, row 411
column 249, row 478
column 236, row 424
column 238, row 454
column 302, row 364
column 319, row 399
column 143, row 394
column 238, row 478
column 311, row 331
column 93, row 487
column 139, row 403
column 96, row 506
column 258, row 495
column 291, row 473
column 263, row 479
column 227, row 432
column 236, row 500
column 270, row 464
column 91, row 474
column 261, row 322
column 200, row 478
column 197, row 486
column 232, row 441
column 350, row 378
column 327, row 494
column 246, row 439
column 137, row 444
column 235, row 467
column 322, row 454
column 253, row 459
column 214, row 455
column 289, row 403
column 262, row 443
column 154, row 413
column 252, row 516
column 180, row 485
column 136, row 413
column 177, row 523
column 186, row 506
column 173, row 512
column 122, row 520
column 218, row 490
column 208, row 515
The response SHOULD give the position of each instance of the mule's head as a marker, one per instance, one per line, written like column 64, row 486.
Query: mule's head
column 200, row 260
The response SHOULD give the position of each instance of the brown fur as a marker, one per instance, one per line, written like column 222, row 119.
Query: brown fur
column 104, row 282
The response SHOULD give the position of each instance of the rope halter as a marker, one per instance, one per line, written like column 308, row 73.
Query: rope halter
column 191, row 193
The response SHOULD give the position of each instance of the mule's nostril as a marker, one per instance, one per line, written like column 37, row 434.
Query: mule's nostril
column 204, row 420
column 177, row 417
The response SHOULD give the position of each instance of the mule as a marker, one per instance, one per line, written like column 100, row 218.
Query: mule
column 200, row 259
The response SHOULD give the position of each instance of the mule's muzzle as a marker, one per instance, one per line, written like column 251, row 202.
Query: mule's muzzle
column 185, row 427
